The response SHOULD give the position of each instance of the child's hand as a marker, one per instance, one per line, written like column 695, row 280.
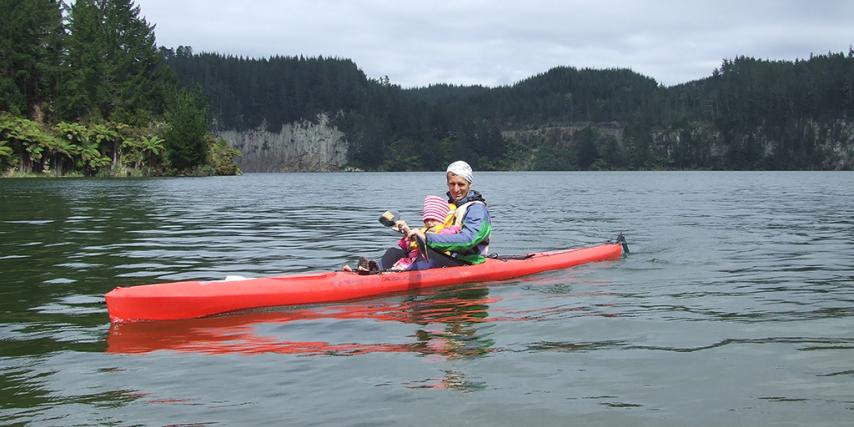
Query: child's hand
column 412, row 233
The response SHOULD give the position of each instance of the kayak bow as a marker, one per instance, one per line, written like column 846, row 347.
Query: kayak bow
column 191, row 299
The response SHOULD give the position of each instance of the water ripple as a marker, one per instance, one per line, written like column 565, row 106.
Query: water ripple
column 741, row 282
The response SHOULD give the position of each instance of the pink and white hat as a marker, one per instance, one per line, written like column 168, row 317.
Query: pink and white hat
column 436, row 208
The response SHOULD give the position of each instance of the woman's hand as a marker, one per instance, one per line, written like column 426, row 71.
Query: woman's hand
column 402, row 226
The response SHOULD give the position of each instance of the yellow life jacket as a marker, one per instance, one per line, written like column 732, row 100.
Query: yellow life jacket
column 455, row 217
column 433, row 229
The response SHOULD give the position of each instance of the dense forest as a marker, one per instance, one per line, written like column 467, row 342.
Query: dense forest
column 84, row 91
column 749, row 114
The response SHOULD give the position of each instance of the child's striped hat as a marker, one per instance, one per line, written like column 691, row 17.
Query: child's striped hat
column 435, row 207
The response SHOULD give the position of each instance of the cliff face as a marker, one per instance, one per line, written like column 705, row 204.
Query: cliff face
column 318, row 146
column 300, row 146
column 807, row 144
column 697, row 145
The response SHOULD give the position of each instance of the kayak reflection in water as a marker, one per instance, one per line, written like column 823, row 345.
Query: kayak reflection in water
column 445, row 323
column 468, row 218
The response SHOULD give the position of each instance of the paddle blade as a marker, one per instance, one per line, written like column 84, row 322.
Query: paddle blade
column 389, row 218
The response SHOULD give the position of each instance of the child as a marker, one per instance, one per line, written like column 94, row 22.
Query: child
column 434, row 215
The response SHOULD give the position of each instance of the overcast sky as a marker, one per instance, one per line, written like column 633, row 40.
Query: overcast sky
column 416, row 43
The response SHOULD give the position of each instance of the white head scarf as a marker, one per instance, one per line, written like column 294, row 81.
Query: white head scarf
column 461, row 168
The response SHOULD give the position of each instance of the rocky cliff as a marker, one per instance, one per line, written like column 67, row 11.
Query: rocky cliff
column 301, row 146
column 807, row 144
column 319, row 146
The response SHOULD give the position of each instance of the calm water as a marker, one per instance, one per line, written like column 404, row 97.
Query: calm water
column 736, row 306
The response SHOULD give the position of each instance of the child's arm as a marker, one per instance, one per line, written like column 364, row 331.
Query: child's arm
column 403, row 243
column 451, row 230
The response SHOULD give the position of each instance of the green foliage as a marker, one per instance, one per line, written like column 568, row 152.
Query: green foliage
column 587, row 153
column 186, row 136
column 551, row 158
column 613, row 155
column 247, row 93
column 638, row 146
column 768, row 99
column 30, row 49
column 5, row 156
column 222, row 157
column 75, row 133
column 103, row 134
column 100, row 75
column 25, row 138
column 98, row 78
column 402, row 156
column 91, row 158
column 7, row 153
column 84, row 144
column 518, row 157
column 113, row 64
column 100, row 149
column 143, row 151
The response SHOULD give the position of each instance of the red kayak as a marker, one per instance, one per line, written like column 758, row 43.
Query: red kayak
column 191, row 299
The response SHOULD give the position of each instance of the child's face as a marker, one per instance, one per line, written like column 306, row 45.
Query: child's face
column 431, row 223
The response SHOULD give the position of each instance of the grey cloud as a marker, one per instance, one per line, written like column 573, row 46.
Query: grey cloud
column 500, row 42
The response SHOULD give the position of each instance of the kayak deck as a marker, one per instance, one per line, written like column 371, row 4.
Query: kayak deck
column 192, row 299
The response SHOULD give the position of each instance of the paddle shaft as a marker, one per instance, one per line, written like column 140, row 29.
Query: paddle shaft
column 390, row 219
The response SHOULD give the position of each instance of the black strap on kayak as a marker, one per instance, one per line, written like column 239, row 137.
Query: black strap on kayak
column 509, row 257
column 621, row 239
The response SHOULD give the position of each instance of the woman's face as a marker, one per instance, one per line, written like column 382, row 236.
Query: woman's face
column 458, row 186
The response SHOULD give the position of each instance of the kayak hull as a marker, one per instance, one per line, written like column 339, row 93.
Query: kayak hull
column 192, row 299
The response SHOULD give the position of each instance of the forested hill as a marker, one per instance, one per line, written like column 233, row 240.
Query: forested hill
column 248, row 93
column 83, row 91
column 748, row 114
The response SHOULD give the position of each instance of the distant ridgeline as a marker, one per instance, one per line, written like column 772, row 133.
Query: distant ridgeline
column 291, row 113
column 85, row 90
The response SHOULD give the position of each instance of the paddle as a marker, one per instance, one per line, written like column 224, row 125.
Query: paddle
column 390, row 219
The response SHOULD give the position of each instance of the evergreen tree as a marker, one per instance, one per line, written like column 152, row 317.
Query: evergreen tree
column 587, row 153
column 135, row 73
column 85, row 68
column 186, row 138
column 112, row 63
column 30, row 47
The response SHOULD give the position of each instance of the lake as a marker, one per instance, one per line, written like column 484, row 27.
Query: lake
column 735, row 307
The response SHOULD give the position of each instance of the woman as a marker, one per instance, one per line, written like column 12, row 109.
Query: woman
column 469, row 245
